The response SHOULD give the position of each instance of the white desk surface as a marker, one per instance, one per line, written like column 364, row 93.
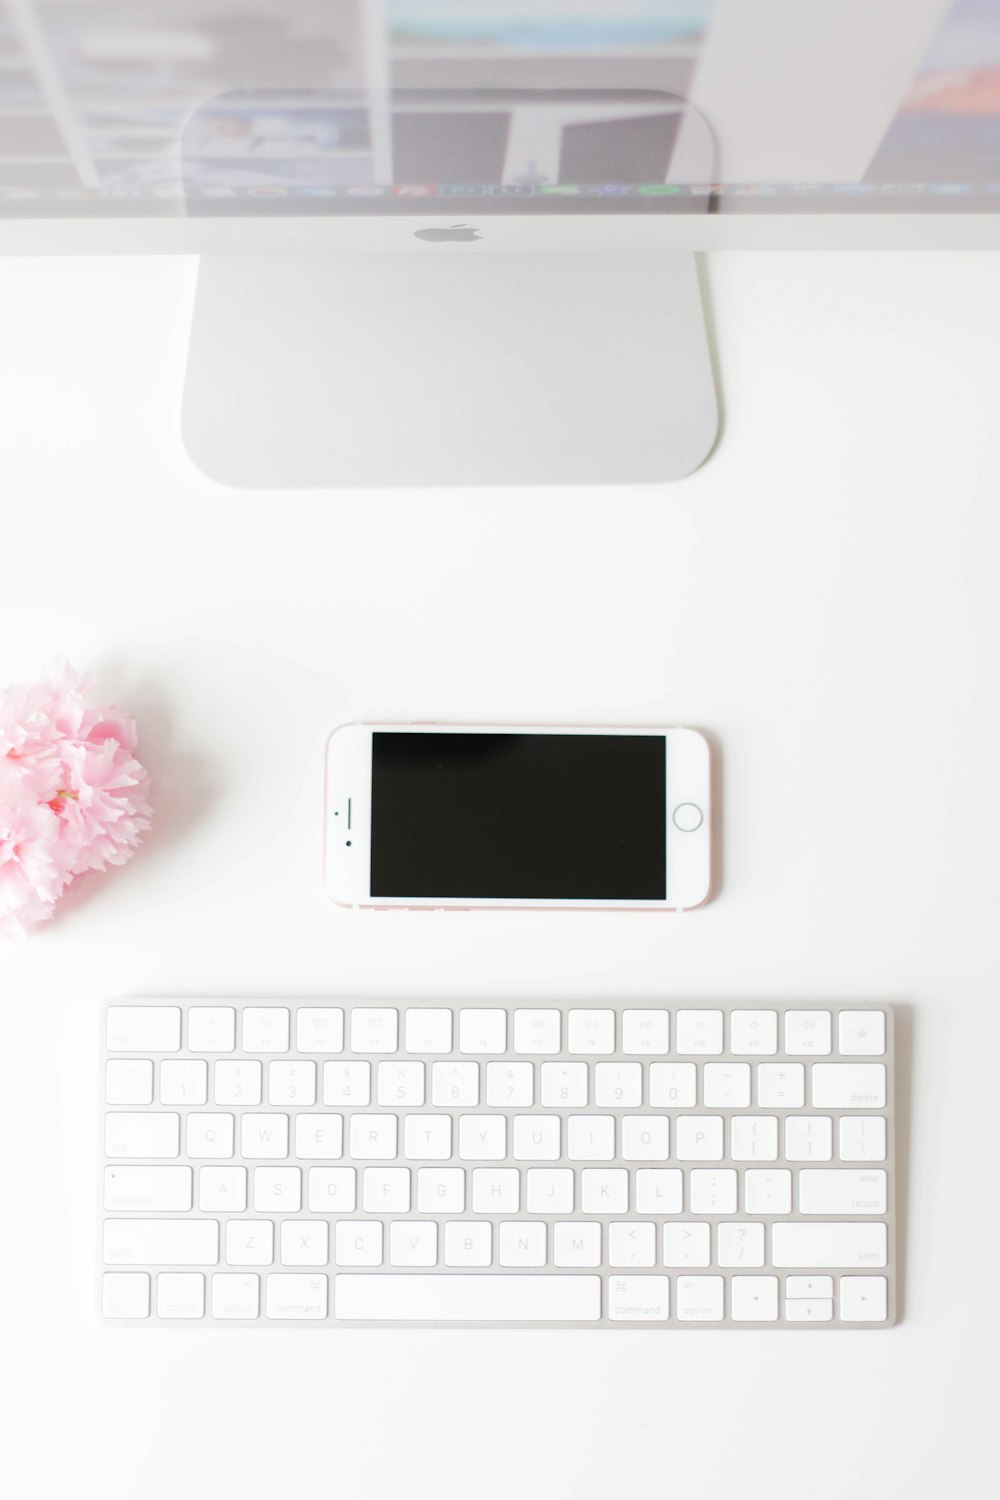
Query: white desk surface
column 823, row 596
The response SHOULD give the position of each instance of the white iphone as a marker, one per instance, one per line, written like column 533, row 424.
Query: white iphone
column 480, row 815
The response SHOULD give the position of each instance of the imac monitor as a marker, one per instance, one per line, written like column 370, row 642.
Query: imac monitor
column 451, row 241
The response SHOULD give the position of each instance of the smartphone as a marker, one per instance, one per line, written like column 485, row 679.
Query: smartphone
column 464, row 815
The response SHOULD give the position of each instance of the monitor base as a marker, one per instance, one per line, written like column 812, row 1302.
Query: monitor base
column 449, row 369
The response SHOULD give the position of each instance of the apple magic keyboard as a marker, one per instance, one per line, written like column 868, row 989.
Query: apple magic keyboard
column 271, row 1163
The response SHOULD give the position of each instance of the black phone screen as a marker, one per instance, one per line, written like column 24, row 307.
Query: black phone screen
column 563, row 817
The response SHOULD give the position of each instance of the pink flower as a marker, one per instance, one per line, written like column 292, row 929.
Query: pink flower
column 72, row 795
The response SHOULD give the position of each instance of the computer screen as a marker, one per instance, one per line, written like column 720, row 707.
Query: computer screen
column 118, row 109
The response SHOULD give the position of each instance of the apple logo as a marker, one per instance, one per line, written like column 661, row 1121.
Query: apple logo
column 455, row 232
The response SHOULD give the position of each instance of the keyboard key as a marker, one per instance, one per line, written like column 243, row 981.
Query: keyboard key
column 604, row 1190
column 639, row 1299
column 645, row 1138
column 128, row 1081
column 211, row 1028
column 264, row 1136
column 277, row 1190
column 147, row 1189
column 672, row 1085
column 618, row 1085
column 740, row 1245
column 183, row 1082
column 712, row 1192
column 249, row 1242
column 767, row 1192
column 549, row 1190
column 686, row 1245
column 726, row 1085
column 413, row 1243
column 809, row 1309
column 125, row 1294
column 700, row 1299
column 631, row 1245
column 521, row 1243
column 265, row 1028
column 754, row 1299
column 235, row 1295
column 319, row 1028
column 161, row 1242
column 347, row 1084
column 829, row 1245
column 862, row 1138
column 180, row 1294
column 842, row 1191
column 808, row 1138
column 536, row 1031
column 781, row 1085
column 753, row 1138
column 469, row 1299
column 590, row 1138
column 238, row 1083
column 144, row 1028
column 441, row 1190
column 495, row 1190
column 296, row 1296
column 848, row 1085
column 482, row 1137
column 152, row 1135
column 808, row 1033
column 468, row 1244
column 699, row 1031
column 222, row 1190
column 332, row 1190
column 210, row 1135
column 303, row 1242
column 659, row 1190
column 374, row 1030
column 564, row 1085
column 319, row 1137
column 373, row 1137
column 427, row 1137
column 864, row 1299
column 358, row 1242
column 386, row 1190
column 401, row 1084
column 861, row 1033
column 455, row 1084
column 482, row 1031
column 427, row 1030
column 536, row 1138
column 591, row 1031
column 808, row 1286
column 700, row 1138
column 577, row 1244
column 511, row 1085
column 291, row 1083
column 646, row 1031
column 753, row 1032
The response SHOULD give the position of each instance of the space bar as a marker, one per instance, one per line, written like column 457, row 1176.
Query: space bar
column 469, row 1299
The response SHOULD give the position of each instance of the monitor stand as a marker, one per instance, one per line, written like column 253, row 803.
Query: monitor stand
column 453, row 368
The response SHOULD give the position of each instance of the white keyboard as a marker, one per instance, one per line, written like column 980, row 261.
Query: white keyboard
column 277, row 1164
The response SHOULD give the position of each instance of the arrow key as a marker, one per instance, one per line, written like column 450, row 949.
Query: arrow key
column 809, row 1309
column 754, row 1299
column 808, row 1286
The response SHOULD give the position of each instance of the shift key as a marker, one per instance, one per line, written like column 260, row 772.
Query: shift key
column 161, row 1242
column 828, row 1245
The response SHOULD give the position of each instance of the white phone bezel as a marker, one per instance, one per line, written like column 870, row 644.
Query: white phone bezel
column 347, row 820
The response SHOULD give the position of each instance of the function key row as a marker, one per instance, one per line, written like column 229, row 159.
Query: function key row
column 482, row 1031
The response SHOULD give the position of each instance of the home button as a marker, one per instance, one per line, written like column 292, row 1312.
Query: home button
column 688, row 817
